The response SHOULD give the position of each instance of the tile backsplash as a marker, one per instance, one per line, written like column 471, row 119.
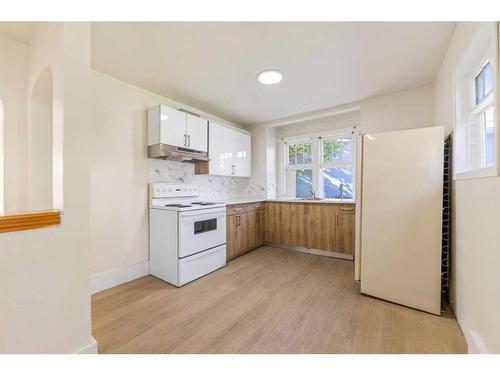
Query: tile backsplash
column 217, row 188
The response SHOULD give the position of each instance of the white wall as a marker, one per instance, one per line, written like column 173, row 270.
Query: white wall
column 44, row 273
column 46, row 55
column 41, row 142
column 475, row 284
column 119, row 176
column 332, row 123
column 407, row 109
column 14, row 73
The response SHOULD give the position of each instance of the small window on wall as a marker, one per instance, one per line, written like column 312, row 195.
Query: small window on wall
column 475, row 130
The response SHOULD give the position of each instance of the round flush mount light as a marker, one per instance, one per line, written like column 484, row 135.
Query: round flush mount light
column 270, row 77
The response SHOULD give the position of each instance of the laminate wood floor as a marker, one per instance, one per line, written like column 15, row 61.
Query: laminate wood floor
column 268, row 301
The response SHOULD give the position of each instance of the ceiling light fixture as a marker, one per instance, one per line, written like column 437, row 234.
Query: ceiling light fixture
column 270, row 77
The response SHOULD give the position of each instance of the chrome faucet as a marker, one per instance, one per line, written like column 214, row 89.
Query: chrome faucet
column 313, row 194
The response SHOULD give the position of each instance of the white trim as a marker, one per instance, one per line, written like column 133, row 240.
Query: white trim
column 90, row 348
column 109, row 279
column 323, row 134
column 474, row 343
column 490, row 171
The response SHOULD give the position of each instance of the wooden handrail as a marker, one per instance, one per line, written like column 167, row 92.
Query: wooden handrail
column 29, row 220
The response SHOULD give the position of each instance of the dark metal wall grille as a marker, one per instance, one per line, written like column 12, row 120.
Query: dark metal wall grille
column 446, row 230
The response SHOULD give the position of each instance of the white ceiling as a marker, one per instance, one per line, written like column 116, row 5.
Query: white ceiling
column 20, row 31
column 214, row 66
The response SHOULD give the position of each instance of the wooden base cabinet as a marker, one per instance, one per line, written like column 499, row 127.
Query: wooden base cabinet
column 245, row 228
column 317, row 226
column 345, row 230
column 321, row 228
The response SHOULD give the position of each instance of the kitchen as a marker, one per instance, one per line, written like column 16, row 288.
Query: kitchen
column 263, row 222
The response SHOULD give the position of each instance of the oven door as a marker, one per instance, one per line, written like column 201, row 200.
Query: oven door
column 201, row 230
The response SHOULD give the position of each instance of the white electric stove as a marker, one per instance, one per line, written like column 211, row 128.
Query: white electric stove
column 187, row 236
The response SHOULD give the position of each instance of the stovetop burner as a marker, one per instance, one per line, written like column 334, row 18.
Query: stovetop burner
column 178, row 205
column 203, row 203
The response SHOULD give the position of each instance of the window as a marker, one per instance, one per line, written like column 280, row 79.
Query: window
column 337, row 168
column 321, row 165
column 300, row 169
column 475, row 146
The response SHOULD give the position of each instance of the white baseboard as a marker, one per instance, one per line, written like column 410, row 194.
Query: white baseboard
column 109, row 279
column 90, row 348
column 474, row 343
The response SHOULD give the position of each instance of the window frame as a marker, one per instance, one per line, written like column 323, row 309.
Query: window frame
column 317, row 164
column 461, row 124
column 332, row 164
column 296, row 167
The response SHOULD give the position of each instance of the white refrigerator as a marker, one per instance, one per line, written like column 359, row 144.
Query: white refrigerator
column 399, row 217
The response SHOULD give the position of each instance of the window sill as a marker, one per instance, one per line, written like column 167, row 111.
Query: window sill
column 29, row 220
column 477, row 173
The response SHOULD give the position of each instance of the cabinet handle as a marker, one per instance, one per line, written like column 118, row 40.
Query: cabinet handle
column 237, row 221
column 185, row 139
column 336, row 220
column 189, row 140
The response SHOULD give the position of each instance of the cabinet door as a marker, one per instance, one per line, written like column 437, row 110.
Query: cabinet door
column 231, row 236
column 252, row 225
column 255, row 229
column 293, row 224
column 173, row 126
column 273, row 222
column 219, row 152
column 241, row 233
column 259, row 232
column 242, row 153
column 197, row 133
column 321, row 226
column 345, row 230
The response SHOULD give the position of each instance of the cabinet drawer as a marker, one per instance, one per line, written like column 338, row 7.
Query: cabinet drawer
column 198, row 265
column 255, row 206
column 236, row 209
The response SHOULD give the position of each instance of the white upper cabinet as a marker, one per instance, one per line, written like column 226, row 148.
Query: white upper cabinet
column 219, row 153
column 197, row 133
column 166, row 125
column 243, row 155
column 177, row 128
column 229, row 151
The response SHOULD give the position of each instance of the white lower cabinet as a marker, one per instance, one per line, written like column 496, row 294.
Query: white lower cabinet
column 229, row 151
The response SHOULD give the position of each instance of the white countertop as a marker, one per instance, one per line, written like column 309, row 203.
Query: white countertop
column 245, row 200
column 296, row 200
